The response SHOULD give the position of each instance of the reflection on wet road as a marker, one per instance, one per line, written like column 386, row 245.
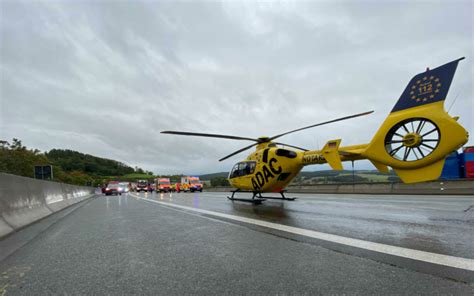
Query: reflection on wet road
column 433, row 224
column 116, row 245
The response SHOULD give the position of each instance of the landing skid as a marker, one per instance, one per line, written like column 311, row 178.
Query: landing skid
column 254, row 201
column 257, row 197
column 281, row 198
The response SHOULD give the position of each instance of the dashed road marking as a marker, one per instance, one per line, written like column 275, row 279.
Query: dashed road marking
column 440, row 259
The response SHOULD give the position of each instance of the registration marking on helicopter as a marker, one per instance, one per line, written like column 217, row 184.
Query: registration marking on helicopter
column 434, row 258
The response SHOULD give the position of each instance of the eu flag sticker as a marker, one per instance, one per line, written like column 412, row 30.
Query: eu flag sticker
column 427, row 87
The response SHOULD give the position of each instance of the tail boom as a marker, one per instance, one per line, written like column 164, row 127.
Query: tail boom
column 347, row 153
column 416, row 136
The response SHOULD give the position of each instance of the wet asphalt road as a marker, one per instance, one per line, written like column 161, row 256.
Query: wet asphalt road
column 123, row 245
column 438, row 224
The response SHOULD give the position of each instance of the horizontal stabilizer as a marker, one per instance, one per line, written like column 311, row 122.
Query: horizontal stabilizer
column 427, row 173
column 331, row 154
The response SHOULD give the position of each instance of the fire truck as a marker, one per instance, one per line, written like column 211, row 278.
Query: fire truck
column 191, row 184
column 163, row 185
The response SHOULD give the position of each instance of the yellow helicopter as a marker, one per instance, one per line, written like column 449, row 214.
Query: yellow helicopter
column 414, row 140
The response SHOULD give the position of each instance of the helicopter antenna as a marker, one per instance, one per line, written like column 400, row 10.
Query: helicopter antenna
column 454, row 101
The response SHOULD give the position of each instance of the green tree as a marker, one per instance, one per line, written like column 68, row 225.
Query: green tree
column 68, row 166
column 219, row 181
column 17, row 159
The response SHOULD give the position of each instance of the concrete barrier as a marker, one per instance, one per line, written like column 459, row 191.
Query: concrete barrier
column 26, row 200
column 440, row 187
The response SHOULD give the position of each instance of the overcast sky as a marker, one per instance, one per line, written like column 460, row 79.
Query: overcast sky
column 105, row 77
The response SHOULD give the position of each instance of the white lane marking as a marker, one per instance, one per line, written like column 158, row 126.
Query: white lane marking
column 446, row 260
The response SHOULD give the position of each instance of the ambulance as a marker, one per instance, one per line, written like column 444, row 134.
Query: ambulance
column 190, row 183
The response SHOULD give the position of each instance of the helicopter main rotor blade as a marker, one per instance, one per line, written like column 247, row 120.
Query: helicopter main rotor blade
column 261, row 140
column 322, row 123
column 238, row 151
column 209, row 135
column 296, row 147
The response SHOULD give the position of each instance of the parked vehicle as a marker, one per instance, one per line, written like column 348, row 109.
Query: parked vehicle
column 112, row 188
column 191, row 184
column 163, row 185
column 143, row 185
column 468, row 162
column 452, row 167
column 124, row 187
column 459, row 165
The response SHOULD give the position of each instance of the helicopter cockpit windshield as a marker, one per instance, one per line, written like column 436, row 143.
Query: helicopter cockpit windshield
column 242, row 169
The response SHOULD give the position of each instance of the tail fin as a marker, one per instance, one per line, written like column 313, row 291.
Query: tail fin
column 331, row 154
column 418, row 134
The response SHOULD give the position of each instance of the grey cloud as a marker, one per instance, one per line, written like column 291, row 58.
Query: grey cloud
column 105, row 77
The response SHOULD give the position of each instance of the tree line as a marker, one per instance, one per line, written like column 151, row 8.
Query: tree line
column 68, row 166
column 78, row 168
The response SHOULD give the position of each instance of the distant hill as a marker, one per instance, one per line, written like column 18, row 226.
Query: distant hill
column 344, row 176
column 70, row 160
column 325, row 173
column 313, row 174
column 214, row 175
column 68, row 166
column 325, row 176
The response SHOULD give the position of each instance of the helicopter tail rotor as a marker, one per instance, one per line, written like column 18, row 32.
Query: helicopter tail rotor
column 418, row 134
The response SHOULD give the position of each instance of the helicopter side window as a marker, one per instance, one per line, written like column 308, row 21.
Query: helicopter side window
column 247, row 168
column 235, row 171
column 252, row 166
column 242, row 169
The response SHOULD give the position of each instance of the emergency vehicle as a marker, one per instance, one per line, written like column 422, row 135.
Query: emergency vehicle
column 191, row 184
column 143, row 185
column 163, row 185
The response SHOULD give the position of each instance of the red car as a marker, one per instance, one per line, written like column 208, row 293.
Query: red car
column 112, row 189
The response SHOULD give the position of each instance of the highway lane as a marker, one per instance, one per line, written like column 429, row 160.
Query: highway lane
column 438, row 224
column 370, row 226
column 124, row 245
